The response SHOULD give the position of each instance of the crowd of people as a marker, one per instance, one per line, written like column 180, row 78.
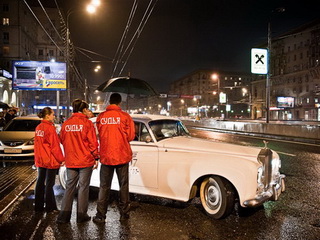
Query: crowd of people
column 6, row 115
column 82, row 153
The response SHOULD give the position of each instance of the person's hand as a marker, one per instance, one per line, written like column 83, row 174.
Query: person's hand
column 62, row 164
column 95, row 166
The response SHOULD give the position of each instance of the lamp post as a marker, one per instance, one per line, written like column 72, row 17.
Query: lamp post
column 91, row 8
column 278, row 10
column 215, row 77
column 268, row 76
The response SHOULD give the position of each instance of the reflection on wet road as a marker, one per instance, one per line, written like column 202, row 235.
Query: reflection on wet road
column 295, row 216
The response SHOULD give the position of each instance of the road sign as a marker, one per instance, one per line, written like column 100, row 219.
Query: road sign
column 259, row 60
column 222, row 97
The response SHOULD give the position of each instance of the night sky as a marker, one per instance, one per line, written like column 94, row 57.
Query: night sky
column 182, row 35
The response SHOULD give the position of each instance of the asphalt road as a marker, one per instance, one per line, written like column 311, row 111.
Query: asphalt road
column 295, row 216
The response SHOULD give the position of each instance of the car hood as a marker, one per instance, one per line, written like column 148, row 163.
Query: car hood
column 202, row 145
column 16, row 136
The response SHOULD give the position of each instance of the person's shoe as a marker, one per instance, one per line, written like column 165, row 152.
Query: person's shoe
column 64, row 217
column 60, row 221
column 84, row 219
column 55, row 211
column 98, row 220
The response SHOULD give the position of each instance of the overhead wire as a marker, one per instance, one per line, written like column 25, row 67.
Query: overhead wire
column 94, row 53
column 44, row 10
column 42, row 25
column 124, row 36
column 80, row 78
column 138, row 32
column 131, row 45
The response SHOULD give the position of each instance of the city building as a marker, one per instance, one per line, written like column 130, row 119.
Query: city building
column 294, row 77
column 30, row 33
column 211, row 93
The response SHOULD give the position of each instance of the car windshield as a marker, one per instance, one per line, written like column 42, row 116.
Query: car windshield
column 22, row 125
column 167, row 128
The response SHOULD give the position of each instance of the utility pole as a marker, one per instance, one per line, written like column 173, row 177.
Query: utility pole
column 268, row 76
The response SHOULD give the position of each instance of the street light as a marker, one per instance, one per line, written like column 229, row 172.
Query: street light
column 215, row 77
column 91, row 10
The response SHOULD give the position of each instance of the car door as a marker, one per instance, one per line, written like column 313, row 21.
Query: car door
column 143, row 168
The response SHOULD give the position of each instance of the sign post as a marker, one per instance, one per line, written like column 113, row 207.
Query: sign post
column 260, row 60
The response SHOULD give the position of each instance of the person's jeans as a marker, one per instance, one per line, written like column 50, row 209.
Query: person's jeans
column 44, row 195
column 76, row 177
column 106, row 175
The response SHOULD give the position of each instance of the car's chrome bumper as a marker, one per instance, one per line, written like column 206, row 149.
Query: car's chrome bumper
column 272, row 193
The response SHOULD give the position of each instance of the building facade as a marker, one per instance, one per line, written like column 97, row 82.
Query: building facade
column 295, row 77
column 211, row 93
column 30, row 33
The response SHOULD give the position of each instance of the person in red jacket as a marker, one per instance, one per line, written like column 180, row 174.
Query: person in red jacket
column 116, row 130
column 81, row 157
column 48, row 157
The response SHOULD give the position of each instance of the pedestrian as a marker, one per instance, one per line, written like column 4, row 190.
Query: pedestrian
column 2, row 120
column 116, row 130
column 90, row 114
column 9, row 115
column 48, row 157
column 80, row 144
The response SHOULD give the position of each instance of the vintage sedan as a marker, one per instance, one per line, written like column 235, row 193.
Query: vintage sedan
column 17, row 137
column 167, row 162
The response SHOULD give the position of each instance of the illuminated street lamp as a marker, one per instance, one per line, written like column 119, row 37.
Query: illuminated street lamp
column 215, row 77
column 91, row 10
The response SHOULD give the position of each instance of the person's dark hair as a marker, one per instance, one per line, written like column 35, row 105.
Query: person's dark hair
column 44, row 112
column 78, row 105
column 115, row 98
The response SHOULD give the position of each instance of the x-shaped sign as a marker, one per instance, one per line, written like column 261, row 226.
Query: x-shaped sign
column 259, row 58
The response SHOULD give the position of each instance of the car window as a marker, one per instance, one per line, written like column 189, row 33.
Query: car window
column 22, row 125
column 168, row 128
column 141, row 132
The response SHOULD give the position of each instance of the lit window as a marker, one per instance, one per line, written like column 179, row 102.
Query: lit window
column 5, row 50
column 5, row 21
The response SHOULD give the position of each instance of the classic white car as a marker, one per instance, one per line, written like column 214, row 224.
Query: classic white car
column 167, row 162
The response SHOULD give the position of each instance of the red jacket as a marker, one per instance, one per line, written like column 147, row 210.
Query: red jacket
column 47, row 151
column 79, row 140
column 116, row 130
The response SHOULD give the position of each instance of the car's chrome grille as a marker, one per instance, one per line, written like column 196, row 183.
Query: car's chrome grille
column 12, row 143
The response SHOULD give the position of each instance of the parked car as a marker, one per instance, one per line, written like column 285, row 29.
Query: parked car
column 17, row 137
column 167, row 162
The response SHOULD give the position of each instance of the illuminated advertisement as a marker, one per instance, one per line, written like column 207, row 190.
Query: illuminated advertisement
column 285, row 102
column 34, row 75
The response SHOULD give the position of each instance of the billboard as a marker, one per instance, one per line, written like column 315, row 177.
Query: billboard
column 285, row 102
column 34, row 75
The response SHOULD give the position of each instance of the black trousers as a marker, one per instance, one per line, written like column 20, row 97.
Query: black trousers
column 106, row 175
column 44, row 195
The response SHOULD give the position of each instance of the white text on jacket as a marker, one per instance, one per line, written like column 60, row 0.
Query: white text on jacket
column 40, row 133
column 110, row 120
column 73, row 128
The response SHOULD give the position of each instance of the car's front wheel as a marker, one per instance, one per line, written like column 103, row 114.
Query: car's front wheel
column 217, row 197
column 63, row 177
